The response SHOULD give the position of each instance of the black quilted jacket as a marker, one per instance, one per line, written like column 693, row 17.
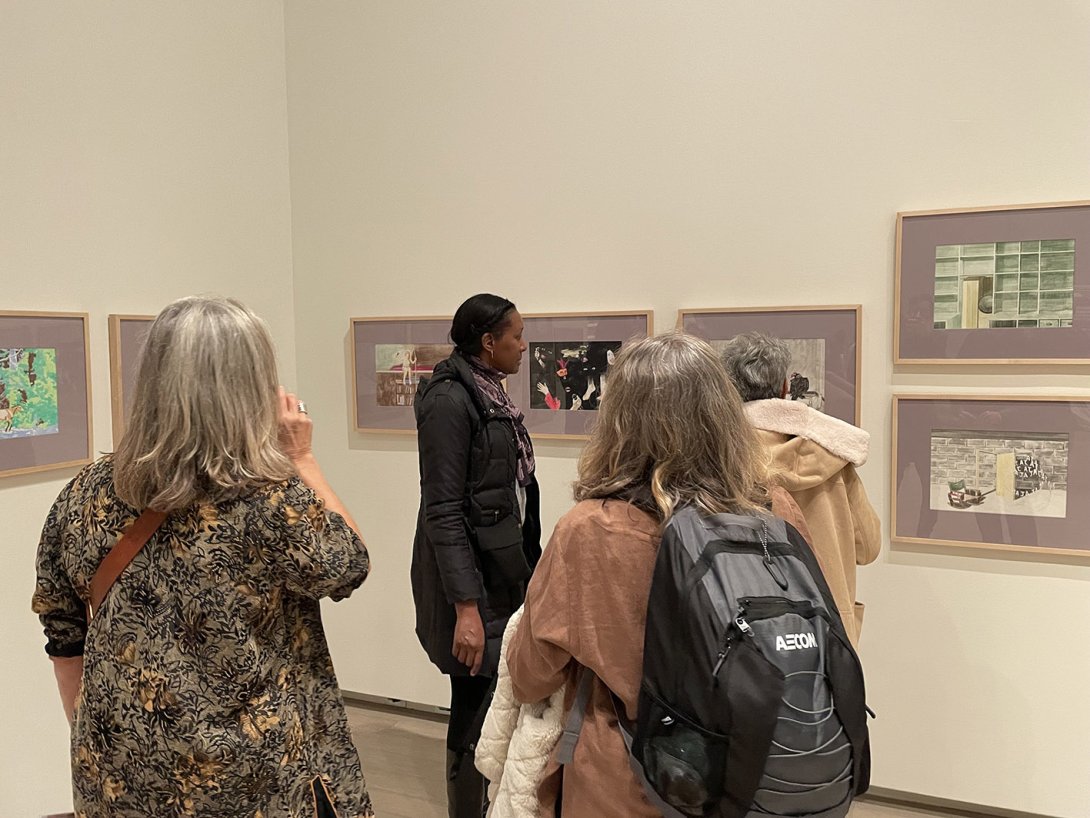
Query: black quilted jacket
column 469, row 543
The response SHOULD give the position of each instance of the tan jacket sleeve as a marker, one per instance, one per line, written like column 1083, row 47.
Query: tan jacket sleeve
column 865, row 521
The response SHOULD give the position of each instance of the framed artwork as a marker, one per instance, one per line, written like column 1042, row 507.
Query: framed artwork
column 1007, row 473
column 565, row 369
column 993, row 285
column 389, row 358
column 45, row 392
column 127, row 336
column 825, row 345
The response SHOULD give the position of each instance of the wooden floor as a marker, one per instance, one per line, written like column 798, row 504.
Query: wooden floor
column 403, row 756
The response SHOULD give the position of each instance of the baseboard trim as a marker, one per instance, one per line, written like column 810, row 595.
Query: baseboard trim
column 947, row 806
column 428, row 711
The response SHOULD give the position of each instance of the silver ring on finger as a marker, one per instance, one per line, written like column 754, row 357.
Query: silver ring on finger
column 301, row 407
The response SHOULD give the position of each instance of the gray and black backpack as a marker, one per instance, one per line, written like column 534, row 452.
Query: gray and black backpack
column 752, row 700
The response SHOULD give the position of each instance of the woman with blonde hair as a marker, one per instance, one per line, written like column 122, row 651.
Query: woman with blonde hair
column 202, row 684
column 671, row 433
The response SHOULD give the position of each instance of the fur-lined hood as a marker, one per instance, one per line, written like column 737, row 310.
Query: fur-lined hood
column 807, row 446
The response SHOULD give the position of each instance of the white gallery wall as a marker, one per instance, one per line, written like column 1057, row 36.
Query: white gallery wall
column 579, row 155
column 572, row 156
column 143, row 157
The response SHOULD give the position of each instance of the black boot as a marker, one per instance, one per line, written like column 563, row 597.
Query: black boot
column 466, row 787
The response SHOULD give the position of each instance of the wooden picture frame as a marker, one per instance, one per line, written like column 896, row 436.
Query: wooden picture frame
column 1029, row 451
column 1024, row 270
column 833, row 333
column 46, row 422
column 589, row 339
column 127, row 336
column 378, row 383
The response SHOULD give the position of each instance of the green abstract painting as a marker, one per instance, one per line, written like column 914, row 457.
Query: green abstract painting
column 28, row 392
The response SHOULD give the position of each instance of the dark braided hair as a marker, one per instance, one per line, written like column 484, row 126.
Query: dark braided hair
column 482, row 314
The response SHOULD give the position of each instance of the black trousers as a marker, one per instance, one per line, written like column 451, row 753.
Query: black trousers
column 467, row 697
column 466, row 787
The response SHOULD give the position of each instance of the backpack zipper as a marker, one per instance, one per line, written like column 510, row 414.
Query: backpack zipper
column 760, row 607
column 743, row 627
column 768, row 607
column 771, row 567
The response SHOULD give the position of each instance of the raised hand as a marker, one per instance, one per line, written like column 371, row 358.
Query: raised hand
column 295, row 427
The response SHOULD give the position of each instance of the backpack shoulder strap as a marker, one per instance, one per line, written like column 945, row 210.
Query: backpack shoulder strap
column 121, row 555
column 565, row 748
column 574, row 726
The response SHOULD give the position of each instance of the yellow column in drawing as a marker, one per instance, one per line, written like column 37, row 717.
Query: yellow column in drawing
column 1004, row 475
column 970, row 303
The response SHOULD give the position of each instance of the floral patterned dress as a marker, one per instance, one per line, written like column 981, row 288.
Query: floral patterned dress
column 208, row 688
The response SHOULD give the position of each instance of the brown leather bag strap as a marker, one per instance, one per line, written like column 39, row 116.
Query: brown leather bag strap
column 121, row 555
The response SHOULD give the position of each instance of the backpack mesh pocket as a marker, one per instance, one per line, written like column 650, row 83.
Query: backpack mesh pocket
column 684, row 762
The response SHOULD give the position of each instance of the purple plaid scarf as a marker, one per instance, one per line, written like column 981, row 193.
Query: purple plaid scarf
column 490, row 382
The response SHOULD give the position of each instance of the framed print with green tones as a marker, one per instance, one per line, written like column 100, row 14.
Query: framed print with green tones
column 994, row 285
column 45, row 392
column 127, row 336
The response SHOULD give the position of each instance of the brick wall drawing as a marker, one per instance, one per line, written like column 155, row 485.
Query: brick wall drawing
column 971, row 456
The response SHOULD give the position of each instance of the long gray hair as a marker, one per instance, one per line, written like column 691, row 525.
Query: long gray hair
column 203, row 426
column 672, row 423
column 757, row 365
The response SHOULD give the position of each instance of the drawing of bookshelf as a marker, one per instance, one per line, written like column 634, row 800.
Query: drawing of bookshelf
column 1005, row 284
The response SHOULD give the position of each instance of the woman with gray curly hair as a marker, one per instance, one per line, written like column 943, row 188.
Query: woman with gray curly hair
column 757, row 364
column 814, row 456
column 202, row 684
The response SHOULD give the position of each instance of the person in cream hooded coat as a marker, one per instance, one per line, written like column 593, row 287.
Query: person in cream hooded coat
column 815, row 457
